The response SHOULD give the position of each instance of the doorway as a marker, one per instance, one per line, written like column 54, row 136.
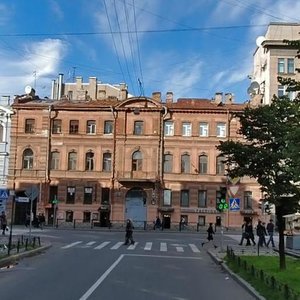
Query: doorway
column 166, row 221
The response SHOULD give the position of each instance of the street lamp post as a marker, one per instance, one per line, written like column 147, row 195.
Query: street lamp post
column 13, row 193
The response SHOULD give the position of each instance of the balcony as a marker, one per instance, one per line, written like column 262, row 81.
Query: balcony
column 137, row 176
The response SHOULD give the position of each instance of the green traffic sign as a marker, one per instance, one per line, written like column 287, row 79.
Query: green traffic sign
column 55, row 201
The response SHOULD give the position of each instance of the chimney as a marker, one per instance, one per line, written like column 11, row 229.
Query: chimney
column 123, row 91
column 53, row 88
column 218, row 98
column 93, row 88
column 156, row 96
column 169, row 97
column 60, row 83
column 229, row 98
column 78, row 83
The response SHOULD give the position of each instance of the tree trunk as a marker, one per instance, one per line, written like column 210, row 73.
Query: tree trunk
column 281, row 227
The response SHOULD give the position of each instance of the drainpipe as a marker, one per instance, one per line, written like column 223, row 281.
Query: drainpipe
column 114, row 113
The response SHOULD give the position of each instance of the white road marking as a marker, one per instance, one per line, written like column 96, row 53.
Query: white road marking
column 132, row 247
column 101, row 279
column 102, row 245
column 117, row 245
column 163, row 247
column 194, row 248
column 148, row 246
column 71, row 245
column 90, row 243
column 179, row 249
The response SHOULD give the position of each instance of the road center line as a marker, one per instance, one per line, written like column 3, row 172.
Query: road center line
column 100, row 280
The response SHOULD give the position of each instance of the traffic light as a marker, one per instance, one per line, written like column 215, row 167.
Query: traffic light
column 221, row 203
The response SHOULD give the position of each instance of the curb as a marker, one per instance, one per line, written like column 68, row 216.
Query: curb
column 236, row 277
column 13, row 259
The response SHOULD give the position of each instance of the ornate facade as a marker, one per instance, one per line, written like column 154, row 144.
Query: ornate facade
column 100, row 161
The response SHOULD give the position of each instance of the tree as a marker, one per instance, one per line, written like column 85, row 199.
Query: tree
column 267, row 154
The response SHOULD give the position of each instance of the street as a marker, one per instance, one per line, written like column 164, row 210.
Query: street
column 96, row 265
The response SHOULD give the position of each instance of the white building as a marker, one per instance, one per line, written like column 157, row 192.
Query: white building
column 273, row 58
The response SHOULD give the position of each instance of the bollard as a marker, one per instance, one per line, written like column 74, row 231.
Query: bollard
column 39, row 240
column 145, row 225
column 74, row 222
column 197, row 227
column 18, row 246
column 33, row 242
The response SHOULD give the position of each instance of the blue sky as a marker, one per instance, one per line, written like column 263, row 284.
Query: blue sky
column 193, row 48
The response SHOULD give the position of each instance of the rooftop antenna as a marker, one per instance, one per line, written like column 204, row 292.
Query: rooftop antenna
column 141, row 87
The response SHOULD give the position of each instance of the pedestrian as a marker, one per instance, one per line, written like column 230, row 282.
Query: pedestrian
column 244, row 234
column 261, row 233
column 249, row 231
column 41, row 220
column 129, row 233
column 270, row 230
column 157, row 223
column 182, row 223
column 210, row 235
column 3, row 222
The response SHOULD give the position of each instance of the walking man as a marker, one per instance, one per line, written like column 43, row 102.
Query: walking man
column 129, row 232
column 210, row 235
column 3, row 222
column 270, row 230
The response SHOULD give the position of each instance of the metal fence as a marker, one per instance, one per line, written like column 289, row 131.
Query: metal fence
column 284, row 289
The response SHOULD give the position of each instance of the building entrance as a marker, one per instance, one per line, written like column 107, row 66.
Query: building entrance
column 166, row 221
column 136, row 206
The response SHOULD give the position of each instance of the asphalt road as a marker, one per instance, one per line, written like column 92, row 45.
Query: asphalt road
column 96, row 265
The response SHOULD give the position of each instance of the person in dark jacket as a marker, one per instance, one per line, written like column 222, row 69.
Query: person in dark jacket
column 129, row 233
column 270, row 230
column 261, row 233
column 210, row 235
column 3, row 222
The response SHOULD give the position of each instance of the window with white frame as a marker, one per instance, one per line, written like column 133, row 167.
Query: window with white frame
column 29, row 125
column 28, row 159
column 201, row 220
column 220, row 170
column 91, row 127
column 290, row 65
column 108, row 127
column 203, row 129
column 221, row 129
column 283, row 92
column 186, row 129
column 56, row 126
column 89, row 161
column 55, row 160
column 167, row 201
column 137, row 161
column 169, row 128
column 106, row 165
column 72, row 161
column 280, row 65
column 138, row 128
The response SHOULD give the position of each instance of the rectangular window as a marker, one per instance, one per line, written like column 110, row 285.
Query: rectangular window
column 106, row 162
column 247, row 200
column 186, row 129
column 221, row 130
column 201, row 220
column 54, row 165
column 280, row 91
column 138, row 127
column 108, row 127
column 29, row 125
column 56, row 126
column 290, row 66
column 167, row 197
column 280, row 65
column 202, row 198
column 70, row 195
column 86, row 217
column 168, row 163
column 91, row 127
column 105, row 192
column 74, row 127
column 88, row 195
column 185, row 163
column 203, row 129
column 184, row 198
column 169, row 128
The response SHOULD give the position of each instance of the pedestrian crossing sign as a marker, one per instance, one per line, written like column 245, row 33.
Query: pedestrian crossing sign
column 3, row 194
column 234, row 204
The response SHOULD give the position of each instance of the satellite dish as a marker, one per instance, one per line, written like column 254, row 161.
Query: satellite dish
column 260, row 40
column 253, row 89
column 28, row 89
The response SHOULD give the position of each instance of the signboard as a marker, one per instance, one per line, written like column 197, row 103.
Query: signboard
column 234, row 204
column 3, row 194
column 22, row 199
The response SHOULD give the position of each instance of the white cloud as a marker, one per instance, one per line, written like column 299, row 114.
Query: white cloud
column 56, row 9
column 43, row 57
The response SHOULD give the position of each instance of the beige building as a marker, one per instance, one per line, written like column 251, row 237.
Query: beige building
column 85, row 161
column 273, row 58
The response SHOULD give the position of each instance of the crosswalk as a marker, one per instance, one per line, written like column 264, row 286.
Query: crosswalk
column 145, row 246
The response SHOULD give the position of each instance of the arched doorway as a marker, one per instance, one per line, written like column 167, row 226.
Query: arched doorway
column 136, row 206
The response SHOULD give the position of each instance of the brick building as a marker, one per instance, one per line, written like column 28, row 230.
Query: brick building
column 94, row 161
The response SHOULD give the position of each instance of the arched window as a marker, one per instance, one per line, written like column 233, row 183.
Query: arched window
column 28, row 159
column 185, row 163
column 203, row 164
column 89, row 161
column 72, row 161
column 168, row 163
column 220, row 166
column 137, row 161
column 106, row 162
column 54, row 160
